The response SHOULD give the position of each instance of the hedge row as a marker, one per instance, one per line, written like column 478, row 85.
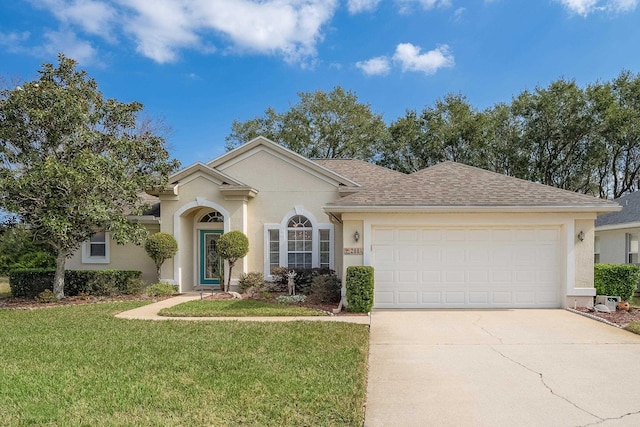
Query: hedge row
column 359, row 284
column 30, row 282
column 616, row 279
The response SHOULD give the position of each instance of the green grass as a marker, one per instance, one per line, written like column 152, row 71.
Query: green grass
column 5, row 290
column 236, row 308
column 634, row 327
column 81, row 366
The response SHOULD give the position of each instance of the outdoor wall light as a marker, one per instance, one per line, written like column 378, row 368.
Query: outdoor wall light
column 356, row 236
column 581, row 235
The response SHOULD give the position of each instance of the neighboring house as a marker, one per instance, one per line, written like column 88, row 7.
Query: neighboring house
column 449, row 236
column 616, row 239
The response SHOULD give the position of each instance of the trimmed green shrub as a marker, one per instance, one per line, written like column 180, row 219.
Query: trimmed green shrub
column 161, row 289
column 616, row 279
column 325, row 289
column 250, row 280
column 135, row 286
column 231, row 247
column 160, row 247
column 359, row 284
column 30, row 282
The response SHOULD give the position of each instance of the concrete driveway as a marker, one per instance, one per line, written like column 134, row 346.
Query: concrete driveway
column 500, row 368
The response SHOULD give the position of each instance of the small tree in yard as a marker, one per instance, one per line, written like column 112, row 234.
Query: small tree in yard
column 73, row 163
column 232, row 246
column 160, row 247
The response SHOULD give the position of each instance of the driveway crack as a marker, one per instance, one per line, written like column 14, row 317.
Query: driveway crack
column 485, row 330
column 544, row 383
column 602, row 420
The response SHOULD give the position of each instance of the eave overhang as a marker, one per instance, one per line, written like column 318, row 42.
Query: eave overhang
column 598, row 209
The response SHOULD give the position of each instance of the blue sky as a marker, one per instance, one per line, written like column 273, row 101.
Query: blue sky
column 201, row 64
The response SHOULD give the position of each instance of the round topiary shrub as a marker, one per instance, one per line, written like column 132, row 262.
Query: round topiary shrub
column 161, row 247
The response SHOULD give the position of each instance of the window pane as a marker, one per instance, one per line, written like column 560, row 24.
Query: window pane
column 99, row 237
column 324, row 235
column 633, row 243
column 324, row 246
column 274, row 235
column 98, row 249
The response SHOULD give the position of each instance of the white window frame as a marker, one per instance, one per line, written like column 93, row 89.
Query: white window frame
column 86, row 252
column 284, row 253
column 629, row 250
column 596, row 250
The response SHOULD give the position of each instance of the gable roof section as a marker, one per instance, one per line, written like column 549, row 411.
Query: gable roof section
column 364, row 173
column 237, row 154
column 216, row 175
column 451, row 186
column 629, row 216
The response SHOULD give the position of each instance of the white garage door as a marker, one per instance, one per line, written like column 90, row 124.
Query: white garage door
column 484, row 267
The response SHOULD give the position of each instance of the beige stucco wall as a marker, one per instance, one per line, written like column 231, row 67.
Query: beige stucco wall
column 283, row 187
column 349, row 228
column 583, row 253
column 121, row 257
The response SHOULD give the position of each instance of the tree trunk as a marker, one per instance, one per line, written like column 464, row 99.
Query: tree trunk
column 226, row 288
column 58, row 281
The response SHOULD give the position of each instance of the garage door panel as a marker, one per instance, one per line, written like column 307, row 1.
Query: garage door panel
column 475, row 267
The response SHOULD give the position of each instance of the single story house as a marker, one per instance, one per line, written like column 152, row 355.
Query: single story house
column 448, row 236
column 616, row 239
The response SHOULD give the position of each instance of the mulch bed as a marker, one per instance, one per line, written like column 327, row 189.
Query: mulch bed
column 620, row 318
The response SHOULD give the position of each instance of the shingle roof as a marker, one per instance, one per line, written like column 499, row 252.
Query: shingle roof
column 364, row 173
column 630, row 211
column 451, row 184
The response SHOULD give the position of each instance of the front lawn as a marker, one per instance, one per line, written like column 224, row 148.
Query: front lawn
column 79, row 365
column 236, row 308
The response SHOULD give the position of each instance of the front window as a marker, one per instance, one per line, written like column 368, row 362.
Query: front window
column 632, row 248
column 596, row 250
column 96, row 249
column 299, row 242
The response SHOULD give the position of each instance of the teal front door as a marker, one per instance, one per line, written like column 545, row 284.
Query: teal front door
column 211, row 266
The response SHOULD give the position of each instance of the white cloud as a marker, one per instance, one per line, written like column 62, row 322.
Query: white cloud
column 162, row 28
column 378, row 66
column 358, row 6
column 67, row 42
column 406, row 6
column 92, row 16
column 411, row 59
column 586, row 7
column 457, row 14
column 13, row 38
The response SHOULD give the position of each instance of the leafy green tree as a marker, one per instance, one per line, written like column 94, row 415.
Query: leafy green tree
column 160, row 247
column 18, row 249
column 615, row 110
column 320, row 125
column 556, row 128
column 232, row 246
column 451, row 129
column 72, row 162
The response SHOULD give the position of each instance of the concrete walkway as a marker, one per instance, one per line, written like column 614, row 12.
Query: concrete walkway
column 150, row 312
column 500, row 368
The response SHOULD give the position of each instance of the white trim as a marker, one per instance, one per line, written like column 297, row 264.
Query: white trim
column 199, row 202
column 618, row 226
column 86, row 254
column 596, row 209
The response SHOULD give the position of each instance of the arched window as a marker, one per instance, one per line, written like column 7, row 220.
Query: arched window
column 214, row 216
column 299, row 242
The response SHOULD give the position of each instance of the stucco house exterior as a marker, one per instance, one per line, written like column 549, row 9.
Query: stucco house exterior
column 448, row 236
column 616, row 238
